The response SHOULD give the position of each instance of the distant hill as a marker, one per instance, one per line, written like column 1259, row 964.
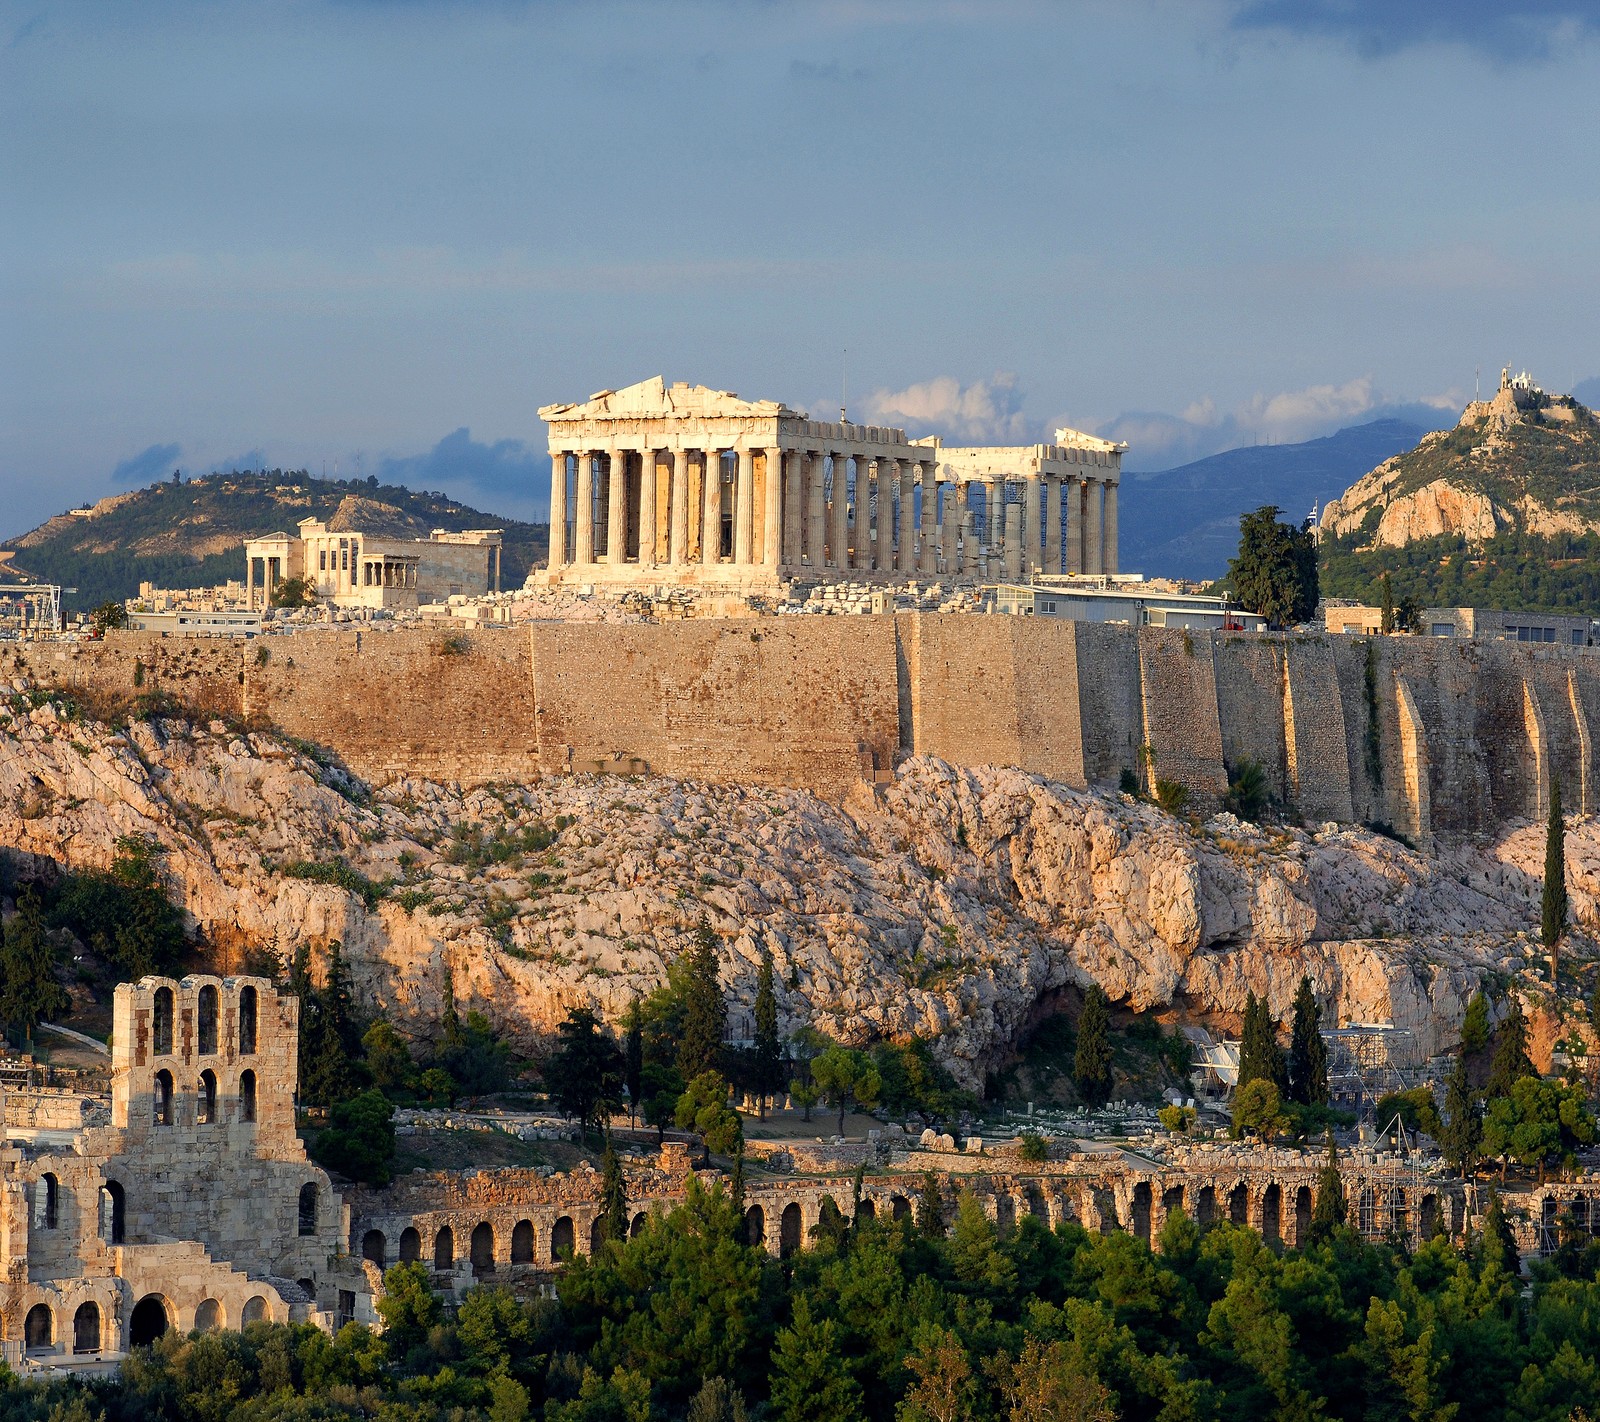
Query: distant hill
column 1184, row 522
column 190, row 535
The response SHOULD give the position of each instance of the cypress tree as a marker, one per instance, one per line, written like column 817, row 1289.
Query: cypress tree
column 705, row 1014
column 613, row 1196
column 1496, row 1243
column 29, row 992
column 1475, row 1025
column 1328, row 1211
column 930, row 1207
column 1091, row 1063
column 1510, row 1062
column 1463, row 1123
column 1386, row 611
column 633, row 1059
column 768, row 1049
column 1308, row 1053
column 1553, row 904
column 1260, row 1056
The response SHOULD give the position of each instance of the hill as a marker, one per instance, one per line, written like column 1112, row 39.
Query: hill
column 1502, row 511
column 186, row 535
column 1184, row 522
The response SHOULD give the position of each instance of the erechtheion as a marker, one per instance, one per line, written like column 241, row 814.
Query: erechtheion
column 661, row 485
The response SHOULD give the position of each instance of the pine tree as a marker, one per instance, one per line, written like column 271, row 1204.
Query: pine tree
column 338, row 1002
column 705, row 1013
column 633, row 1059
column 449, row 1022
column 1510, row 1061
column 1496, row 1243
column 1091, row 1063
column 584, row 1074
column 29, row 992
column 1553, row 905
column 1328, row 1211
column 811, row 1378
column 1308, row 1053
column 1463, row 1121
column 930, row 1207
column 613, row 1196
column 768, row 1049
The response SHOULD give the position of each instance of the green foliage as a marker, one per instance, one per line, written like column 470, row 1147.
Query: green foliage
column 1128, row 782
column 914, row 1082
column 339, row 874
column 331, row 1069
column 474, row 847
column 29, row 992
column 1247, row 794
column 1035, row 1148
column 1275, row 571
column 1538, row 1123
column 705, row 1014
column 1308, row 1053
column 1475, row 1025
column 844, row 1077
column 1091, row 1062
column 1328, row 1209
column 703, row 1108
column 584, row 1074
column 1260, row 1056
column 359, row 1139
column 1510, row 1062
column 1553, row 900
column 123, row 914
column 290, row 593
column 613, row 1194
column 768, row 1064
column 1462, row 1128
column 1177, row 1119
column 106, row 617
column 633, row 1057
column 1172, row 796
column 1415, row 1108
column 388, row 1059
column 1258, row 1110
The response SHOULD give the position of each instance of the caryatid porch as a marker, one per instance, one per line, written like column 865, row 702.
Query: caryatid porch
column 682, row 485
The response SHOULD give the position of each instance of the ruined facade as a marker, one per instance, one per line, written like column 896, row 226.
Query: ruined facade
column 183, row 1201
column 659, row 485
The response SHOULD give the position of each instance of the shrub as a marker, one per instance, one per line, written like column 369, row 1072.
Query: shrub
column 358, row 1140
column 340, row 875
column 1247, row 790
column 1178, row 1119
column 1171, row 796
column 1034, row 1147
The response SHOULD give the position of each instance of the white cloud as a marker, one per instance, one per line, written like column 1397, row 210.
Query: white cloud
column 986, row 411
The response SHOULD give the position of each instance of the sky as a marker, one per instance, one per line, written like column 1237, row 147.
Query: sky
column 377, row 235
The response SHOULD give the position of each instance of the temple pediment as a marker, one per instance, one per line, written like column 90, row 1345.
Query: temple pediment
column 655, row 399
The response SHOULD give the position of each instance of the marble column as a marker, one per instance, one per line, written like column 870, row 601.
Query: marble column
column 1032, row 558
column 647, row 509
column 1052, row 526
column 617, row 509
column 839, row 515
column 1074, row 496
column 1108, row 552
column 861, row 538
column 928, row 559
column 1093, row 553
column 905, row 553
column 584, row 493
column 994, row 514
column 744, row 507
column 679, row 511
column 888, row 479
column 967, row 553
column 792, row 467
column 816, row 467
column 558, row 511
column 711, row 532
column 773, row 521
column 1015, row 559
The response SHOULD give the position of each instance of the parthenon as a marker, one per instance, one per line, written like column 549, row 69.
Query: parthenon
column 680, row 484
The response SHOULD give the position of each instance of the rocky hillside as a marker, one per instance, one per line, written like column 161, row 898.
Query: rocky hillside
column 1524, row 462
column 190, row 534
column 956, row 904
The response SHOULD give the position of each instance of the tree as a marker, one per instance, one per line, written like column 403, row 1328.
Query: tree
column 584, row 1075
column 768, row 1047
column 29, row 992
column 1275, row 571
column 811, row 1379
column 409, row 1308
column 1051, row 1382
column 330, row 1046
column 705, row 1013
column 1539, row 1122
column 1496, row 1243
column 1553, row 902
column 844, row 1076
column 387, row 1056
column 1386, row 611
column 1510, row 1062
column 1308, row 1053
column 804, row 1095
column 661, row 1087
column 1463, row 1120
column 359, row 1139
column 106, row 617
column 293, row 592
column 613, row 1194
column 943, row 1389
column 1091, row 1062
column 1258, row 1110
column 1328, row 1210
column 930, row 1207
column 1475, row 1025
column 1260, row 1056
column 703, row 1108
column 717, row 1401
column 633, row 1059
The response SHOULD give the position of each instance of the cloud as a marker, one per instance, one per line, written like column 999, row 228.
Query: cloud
column 147, row 467
column 985, row 412
column 511, row 475
column 1505, row 31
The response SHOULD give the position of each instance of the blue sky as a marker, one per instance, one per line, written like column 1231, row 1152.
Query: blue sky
column 381, row 233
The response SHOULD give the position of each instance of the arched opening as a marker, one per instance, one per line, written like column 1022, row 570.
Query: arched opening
column 1005, row 1213
column 39, row 1329
column 866, row 1210
column 161, row 1023
column 49, row 1201
column 755, row 1227
column 86, row 1328
column 151, row 1318
column 482, row 1250
column 114, row 1213
column 410, row 1246
column 1272, row 1214
column 637, row 1227
column 208, row 1316
column 1171, row 1200
column 1142, row 1203
column 1205, row 1210
column 161, row 1098
column 247, row 1095
column 205, row 1101
column 308, row 1208
column 522, row 1242
column 1302, row 1217
column 247, row 1022
column 1239, row 1205
column 900, row 1207
column 206, row 1023
column 309, row 1288
column 597, row 1233
column 789, row 1231
column 1429, row 1216
column 561, row 1239
column 374, row 1246
column 255, row 1311
column 444, row 1249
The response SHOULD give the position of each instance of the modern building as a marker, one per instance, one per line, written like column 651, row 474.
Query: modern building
column 658, row 485
column 197, row 622
column 351, row 568
column 1474, row 623
column 1121, row 599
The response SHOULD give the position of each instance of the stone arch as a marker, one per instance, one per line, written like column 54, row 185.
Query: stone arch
column 1428, row 1216
column 114, row 1212
column 1171, row 1199
column 444, row 1249
column 161, row 1098
column 247, row 1022
column 1272, row 1213
column 161, row 1023
column 562, row 1240
column 755, row 1226
column 899, row 1207
column 39, row 1329
column 49, row 1201
column 789, row 1230
column 1205, row 1207
column 86, row 1328
column 1239, row 1204
column 247, row 1095
column 640, row 1220
column 208, row 1316
column 410, row 1246
column 1302, row 1217
column 522, row 1242
column 1142, row 1194
column 255, row 1310
column 206, row 1021
column 597, row 1233
column 866, row 1210
column 482, row 1249
column 374, row 1247
column 205, row 1101
column 1397, row 1212
column 307, row 1213
column 309, row 1288
column 150, row 1319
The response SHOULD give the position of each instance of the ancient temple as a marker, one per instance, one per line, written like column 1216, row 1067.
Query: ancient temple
column 659, row 485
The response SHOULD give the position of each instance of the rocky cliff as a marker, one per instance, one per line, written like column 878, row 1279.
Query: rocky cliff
column 952, row 903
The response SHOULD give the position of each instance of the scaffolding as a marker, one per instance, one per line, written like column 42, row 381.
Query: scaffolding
column 30, row 609
column 1387, row 1188
column 1368, row 1061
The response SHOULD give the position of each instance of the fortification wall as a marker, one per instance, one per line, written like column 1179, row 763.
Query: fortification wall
column 1111, row 716
column 1249, row 674
column 207, row 673
column 1317, row 772
column 1178, row 696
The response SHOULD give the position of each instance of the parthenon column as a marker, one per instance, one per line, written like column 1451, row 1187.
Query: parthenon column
column 1015, row 559
column 883, row 545
column 617, row 508
column 744, row 507
column 1052, row 525
column 839, row 510
column 1074, row 498
column 711, row 532
column 905, row 553
column 1093, row 555
column 927, row 553
column 585, row 520
column 772, row 522
column 949, row 523
column 1032, row 558
column 792, row 474
column 679, row 512
column 861, row 547
column 815, row 465
column 647, row 508
column 1108, row 553
column 558, row 511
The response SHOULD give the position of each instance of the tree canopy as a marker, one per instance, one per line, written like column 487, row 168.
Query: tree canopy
column 1274, row 572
